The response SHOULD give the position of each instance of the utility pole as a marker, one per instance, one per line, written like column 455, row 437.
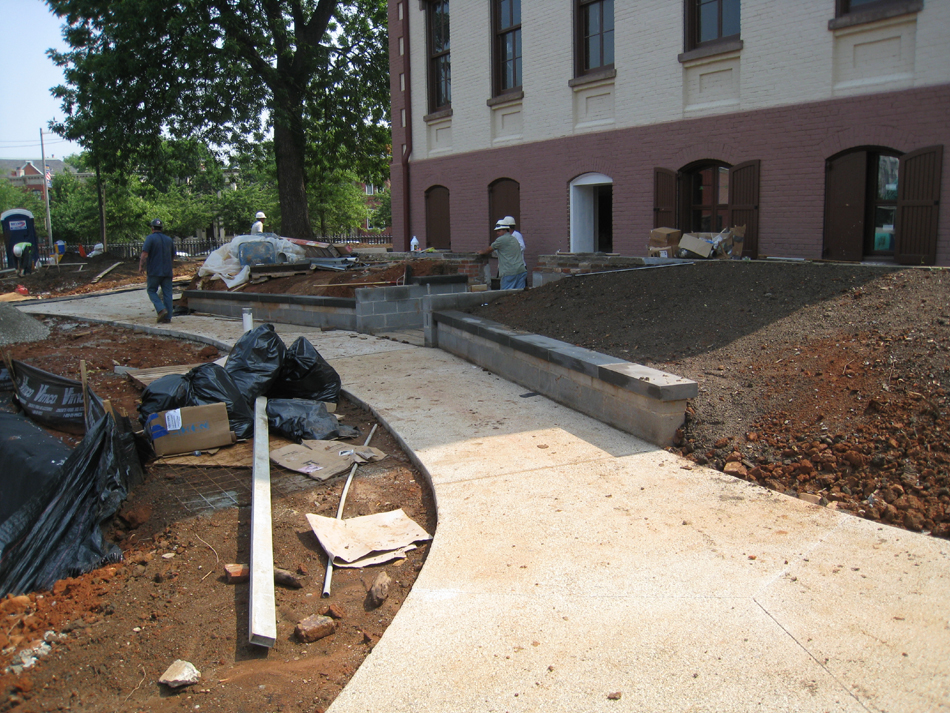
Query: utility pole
column 49, row 223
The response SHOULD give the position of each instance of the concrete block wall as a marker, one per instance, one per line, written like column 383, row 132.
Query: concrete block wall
column 321, row 312
column 389, row 308
column 645, row 402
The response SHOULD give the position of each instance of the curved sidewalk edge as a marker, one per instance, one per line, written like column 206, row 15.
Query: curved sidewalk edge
column 574, row 562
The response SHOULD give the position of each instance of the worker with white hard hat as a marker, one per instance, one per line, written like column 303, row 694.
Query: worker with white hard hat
column 24, row 263
column 258, row 226
column 510, row 222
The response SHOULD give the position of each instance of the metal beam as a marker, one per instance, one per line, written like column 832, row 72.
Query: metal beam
column 263, row 607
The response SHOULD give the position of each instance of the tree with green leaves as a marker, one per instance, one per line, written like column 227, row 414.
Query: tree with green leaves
column 224, row 72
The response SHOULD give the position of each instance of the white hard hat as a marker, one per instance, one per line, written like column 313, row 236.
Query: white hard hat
column 508, row 220
column 501, row 225
column 260, row 215
column 17, row 250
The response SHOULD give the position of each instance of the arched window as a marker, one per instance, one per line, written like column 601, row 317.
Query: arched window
column 438, row 225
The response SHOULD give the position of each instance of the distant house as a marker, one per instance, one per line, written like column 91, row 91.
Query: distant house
column 26, row 173
column 371, row 193
column 820, row 125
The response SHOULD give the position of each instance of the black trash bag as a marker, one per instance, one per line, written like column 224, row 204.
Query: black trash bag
column 209, row 384
column 53, row 400
column 31, row 458
column 255, row 361
column 169, row 392
column 306, row 375
column 57, row 532
column 300, row 419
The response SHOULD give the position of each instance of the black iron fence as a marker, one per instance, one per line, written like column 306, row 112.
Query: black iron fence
column 193, row 247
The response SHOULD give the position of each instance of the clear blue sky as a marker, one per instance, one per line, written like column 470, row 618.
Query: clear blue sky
column 26, row 76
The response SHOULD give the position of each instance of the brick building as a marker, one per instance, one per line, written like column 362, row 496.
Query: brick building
column 817, row 124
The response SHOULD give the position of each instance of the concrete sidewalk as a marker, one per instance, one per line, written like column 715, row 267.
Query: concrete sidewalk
column 573, row 562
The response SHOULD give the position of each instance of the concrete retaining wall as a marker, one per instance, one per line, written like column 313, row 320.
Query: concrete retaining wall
column 645, row 402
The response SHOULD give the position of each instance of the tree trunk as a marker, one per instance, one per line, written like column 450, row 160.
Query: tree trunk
column 102, row 206
column 289, row 153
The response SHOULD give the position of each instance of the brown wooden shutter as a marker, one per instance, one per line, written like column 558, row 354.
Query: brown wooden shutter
column 918, row 205
column 845, row 206
column 664, row 198
column 744, row 204
column 438, row 231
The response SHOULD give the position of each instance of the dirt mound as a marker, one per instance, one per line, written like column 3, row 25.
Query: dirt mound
column 821, row 380
column 327, row 283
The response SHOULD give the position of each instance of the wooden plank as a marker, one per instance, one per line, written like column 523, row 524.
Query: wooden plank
column 143, row 377
column 104, row 273
column 263, row 607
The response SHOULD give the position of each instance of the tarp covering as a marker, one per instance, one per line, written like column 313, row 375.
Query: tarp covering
column 31, row 458
column 57, row 532
column 225, row 263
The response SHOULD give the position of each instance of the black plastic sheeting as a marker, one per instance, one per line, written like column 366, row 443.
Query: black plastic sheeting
column 53, row 400
column 57, row 532
column 306, row 375
column 31, row 459
column 300, row 419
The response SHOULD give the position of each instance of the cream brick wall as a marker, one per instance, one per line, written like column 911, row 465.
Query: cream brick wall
column 789, row 57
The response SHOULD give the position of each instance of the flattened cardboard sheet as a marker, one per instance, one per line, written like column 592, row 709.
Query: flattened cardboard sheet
column 323, row 459
column 367, row 540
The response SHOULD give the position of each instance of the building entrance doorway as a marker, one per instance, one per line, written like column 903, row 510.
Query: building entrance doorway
column 592, row 213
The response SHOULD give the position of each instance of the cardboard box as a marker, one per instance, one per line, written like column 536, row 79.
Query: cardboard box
column 695, row 245
column 662, row 252
column 193, row 428
column 665, row 238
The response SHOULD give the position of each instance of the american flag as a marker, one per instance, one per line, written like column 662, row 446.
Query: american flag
column 49, row 177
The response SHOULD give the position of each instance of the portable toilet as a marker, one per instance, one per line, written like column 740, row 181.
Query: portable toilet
column 18, row 227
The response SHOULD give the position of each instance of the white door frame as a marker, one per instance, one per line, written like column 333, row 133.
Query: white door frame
column 584, row 210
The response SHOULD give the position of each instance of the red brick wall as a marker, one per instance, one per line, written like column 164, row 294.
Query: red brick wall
column 791, row 142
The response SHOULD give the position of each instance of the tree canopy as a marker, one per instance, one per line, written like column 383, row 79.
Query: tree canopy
column 225, row 72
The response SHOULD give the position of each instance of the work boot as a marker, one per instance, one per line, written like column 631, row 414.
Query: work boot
column 162, row 317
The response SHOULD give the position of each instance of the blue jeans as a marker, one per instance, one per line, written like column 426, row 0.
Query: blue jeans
column 152, row 285
column 514, row 282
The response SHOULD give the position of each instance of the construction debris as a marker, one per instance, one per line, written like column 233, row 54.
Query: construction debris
column 367, row 540
column 180, row 673
column 315, row 627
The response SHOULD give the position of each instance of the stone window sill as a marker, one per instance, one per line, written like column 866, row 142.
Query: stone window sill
column 711, row 50
column 438, row 115
column 873, row 14
column 600, row 75
column 506, row 98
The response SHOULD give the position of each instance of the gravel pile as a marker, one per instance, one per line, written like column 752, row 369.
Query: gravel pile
column 16, row 326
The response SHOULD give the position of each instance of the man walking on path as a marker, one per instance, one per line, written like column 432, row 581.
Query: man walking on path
column 157, row 256
column 511, row 267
